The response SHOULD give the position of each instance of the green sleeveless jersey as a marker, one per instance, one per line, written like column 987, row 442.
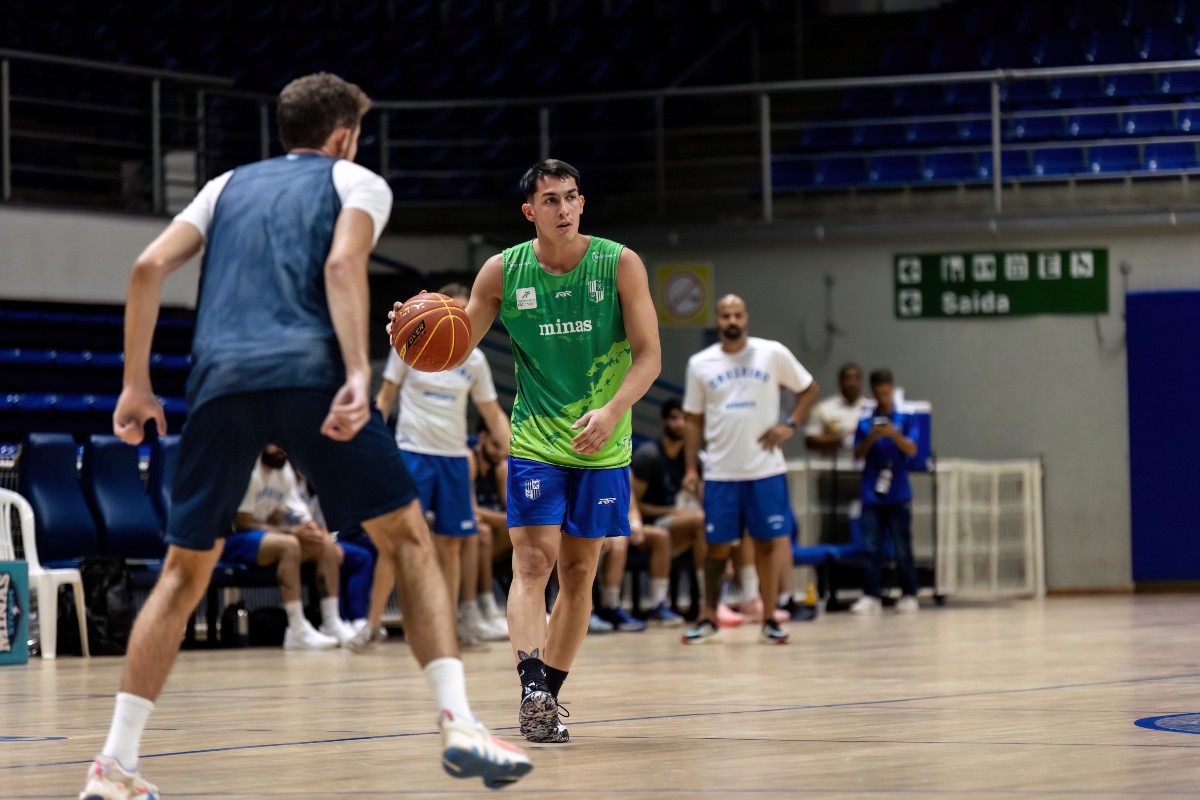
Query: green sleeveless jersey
column 570, row 351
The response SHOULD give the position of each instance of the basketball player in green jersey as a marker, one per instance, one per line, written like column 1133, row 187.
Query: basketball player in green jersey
column 585, row 344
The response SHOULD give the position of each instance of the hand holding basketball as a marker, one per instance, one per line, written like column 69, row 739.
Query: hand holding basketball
column 430, row 332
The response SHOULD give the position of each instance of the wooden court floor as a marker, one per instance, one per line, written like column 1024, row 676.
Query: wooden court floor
column 1034, row 699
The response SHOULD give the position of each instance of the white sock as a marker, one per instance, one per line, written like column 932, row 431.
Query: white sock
column 295, row 612
column 468, row 609
column 330, row 616
column 489, row 606
column 449, row 687
column 700, row 583
column 749, row 579
column 784, row 598
column 610, row 596
column 658, row 591
column 125, row 735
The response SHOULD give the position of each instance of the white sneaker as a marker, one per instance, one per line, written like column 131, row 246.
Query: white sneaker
column 866, row 605
column 306, row 637
column 343, row 631
column 470, row 751
column 493, row 613
column 108, row 780
column 907, row 605
column 472, row 623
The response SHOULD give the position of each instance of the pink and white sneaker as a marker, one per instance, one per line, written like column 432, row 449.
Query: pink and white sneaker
column 108, row 780
column 470, row 751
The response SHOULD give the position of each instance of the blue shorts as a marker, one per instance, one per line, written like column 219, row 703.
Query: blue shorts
column 444, row 486
column 761, row 505
column 357, row 480
column 588, row 503
column 242, row 547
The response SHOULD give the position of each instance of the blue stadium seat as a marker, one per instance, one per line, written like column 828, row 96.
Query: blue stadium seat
column 1147, row 123
column 129, row 527
column 1084, row 87
column 1037, row 17
column 1057, row 162
column 969, row 95
column 1058, row 50
column 1037, row 129
column 1179, row 83
column 927, row 133
column 838, row 172
column 791, row 174
column 949, row 168
column 1164, row 44
column 887, row 170
column 1127, row 86
column 48, row 478
column 1110, row 47
column 1026, row 93
column 1013, row 164
column 868, row 99
column 974, row 131
column 1115, row 159
column 1169, row 157
column 1092, row 126
column 875, row 137
column 825, row 137
column 920, row 96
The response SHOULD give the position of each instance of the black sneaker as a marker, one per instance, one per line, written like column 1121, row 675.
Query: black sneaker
column 772, row 633
column 539, row 720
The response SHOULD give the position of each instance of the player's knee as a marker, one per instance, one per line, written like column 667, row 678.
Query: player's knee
column 531, row 560
column 575, row 573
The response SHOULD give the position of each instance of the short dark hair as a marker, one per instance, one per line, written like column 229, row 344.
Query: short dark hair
column 455, row 289
column 849, row 365
column 670, row 405
column 881, row 376
column 546, row 168
column 313, row 107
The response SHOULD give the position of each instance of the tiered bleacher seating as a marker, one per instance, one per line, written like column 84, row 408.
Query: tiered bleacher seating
column 1059, row 128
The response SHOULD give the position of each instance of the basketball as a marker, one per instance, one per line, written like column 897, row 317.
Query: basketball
column 431, row 332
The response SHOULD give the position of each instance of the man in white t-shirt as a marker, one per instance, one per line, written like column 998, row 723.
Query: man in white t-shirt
column 275, row 527
column 835, row 419
column 732, row 405
column 431, row 432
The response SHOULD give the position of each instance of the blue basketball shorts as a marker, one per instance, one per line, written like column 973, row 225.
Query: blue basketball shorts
column 762, row 506
column 357, row 480
column 588, row 503
column 444, row 486
column 242, row 547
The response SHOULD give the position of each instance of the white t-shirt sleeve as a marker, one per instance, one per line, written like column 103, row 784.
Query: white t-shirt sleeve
column 358, row 187
column 792, row 374
column 816, row 421
column 483, row 389
column 199, row 212
column 693, row 395
column 395, row 370
column 248, row 500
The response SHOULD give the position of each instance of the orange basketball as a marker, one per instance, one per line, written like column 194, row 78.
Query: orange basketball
column 431, row 332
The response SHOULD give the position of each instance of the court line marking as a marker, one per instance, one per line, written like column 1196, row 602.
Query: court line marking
column 688, row 715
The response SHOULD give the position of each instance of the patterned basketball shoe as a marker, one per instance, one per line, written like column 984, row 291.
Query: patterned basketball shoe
column 470, row 751
column 539, row 718
column 108, row 780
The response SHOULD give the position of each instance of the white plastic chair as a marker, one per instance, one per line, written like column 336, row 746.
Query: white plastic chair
column 43, row 583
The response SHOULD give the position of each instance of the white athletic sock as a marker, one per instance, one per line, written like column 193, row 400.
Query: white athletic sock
column 295, row 613
column 330, row 615
column 125, row 735
column 489, row 606
column 784, row 598
column 700, row 583
column 610, row 596
column 449, row 687
column 749, row 580
column 658, row 591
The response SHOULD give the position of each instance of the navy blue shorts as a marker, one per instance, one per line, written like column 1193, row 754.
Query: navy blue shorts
column 444, row 486
column 357, row 480
column 761, row 505
column 588, row 503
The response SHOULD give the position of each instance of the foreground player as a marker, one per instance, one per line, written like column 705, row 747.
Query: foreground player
column 585, row 341
column 280, row 352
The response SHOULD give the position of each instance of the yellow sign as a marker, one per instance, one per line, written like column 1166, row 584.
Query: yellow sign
column 684, row 294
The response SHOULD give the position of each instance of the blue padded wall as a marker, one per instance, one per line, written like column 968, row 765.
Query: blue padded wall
column 1163, row 386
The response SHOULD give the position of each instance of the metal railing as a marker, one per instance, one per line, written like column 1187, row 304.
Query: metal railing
column 684, row 143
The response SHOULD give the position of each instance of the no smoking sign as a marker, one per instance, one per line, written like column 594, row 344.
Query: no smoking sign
column 684, row 294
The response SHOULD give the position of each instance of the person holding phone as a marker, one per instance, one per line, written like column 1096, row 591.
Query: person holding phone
column 885, row 441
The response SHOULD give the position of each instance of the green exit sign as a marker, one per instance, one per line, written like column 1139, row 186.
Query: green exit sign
column 1001, row 283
